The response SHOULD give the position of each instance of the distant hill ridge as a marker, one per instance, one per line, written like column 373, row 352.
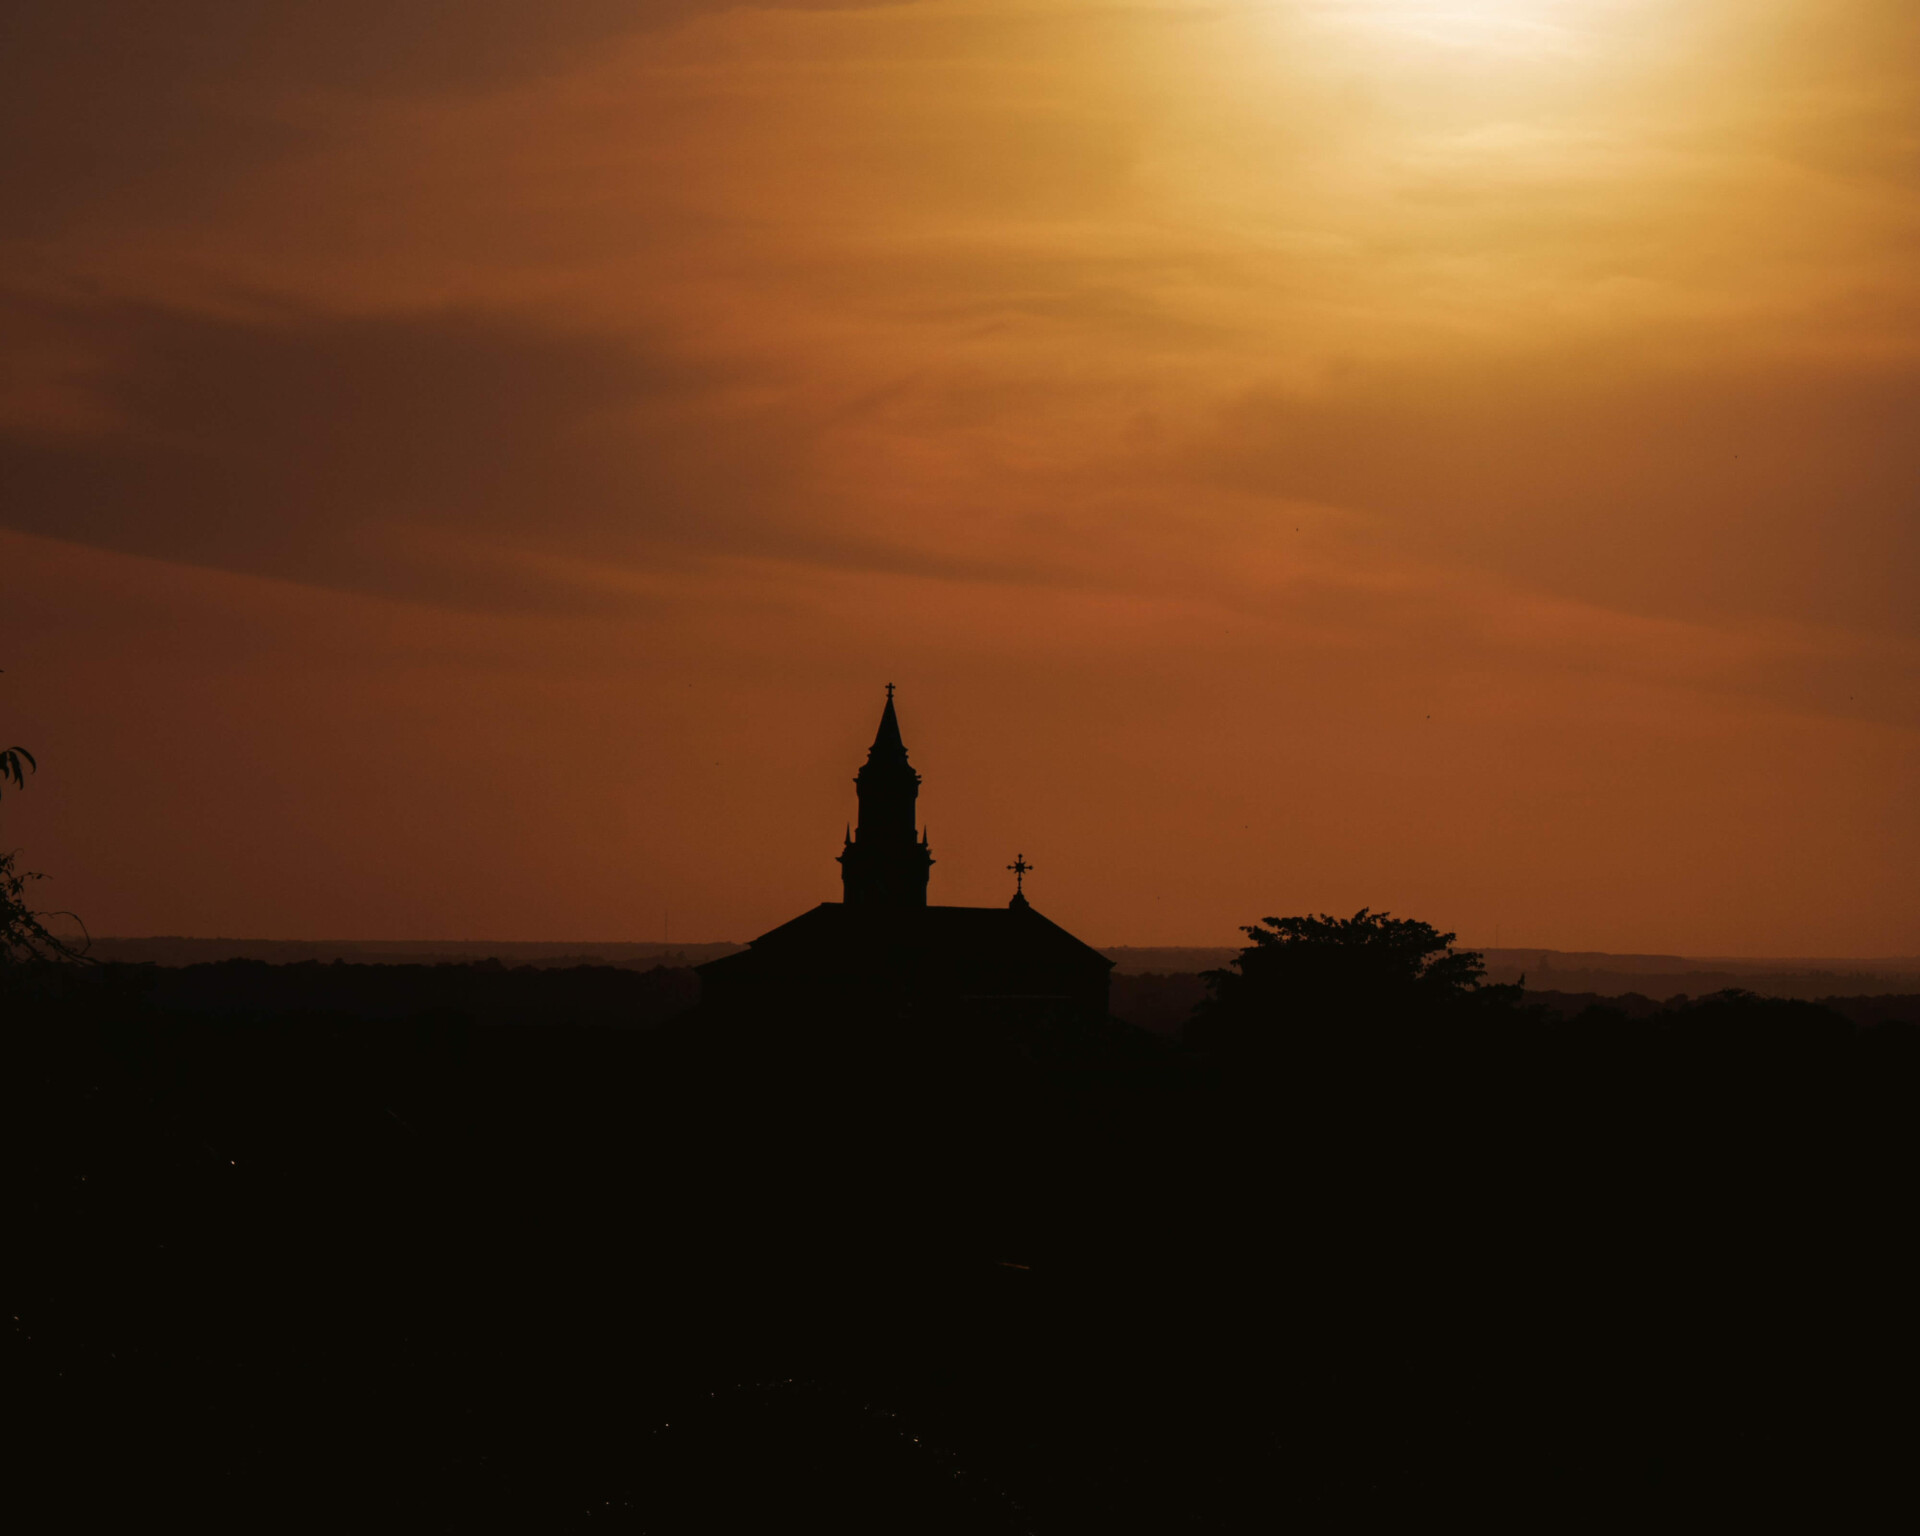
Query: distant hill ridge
column 1665, row 976
column 1659, row 965
column 544, row 953
column 1569, row 971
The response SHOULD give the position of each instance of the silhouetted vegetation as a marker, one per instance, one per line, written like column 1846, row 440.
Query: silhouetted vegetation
column 482, row 993
column 1303, row 975
column 321, row 1243
column 24, row 937
column 1159, row 1001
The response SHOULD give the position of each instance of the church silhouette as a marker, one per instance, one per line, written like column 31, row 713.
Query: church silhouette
column 883, row 951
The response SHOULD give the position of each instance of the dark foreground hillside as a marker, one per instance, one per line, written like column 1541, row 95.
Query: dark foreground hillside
column 430, row 1273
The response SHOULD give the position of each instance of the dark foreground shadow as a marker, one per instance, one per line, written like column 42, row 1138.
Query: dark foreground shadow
column 943, row 1275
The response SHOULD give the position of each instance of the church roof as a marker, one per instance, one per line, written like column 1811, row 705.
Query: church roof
column 962, row 951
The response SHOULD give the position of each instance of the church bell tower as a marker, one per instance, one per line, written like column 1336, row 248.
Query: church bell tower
column 885, row 863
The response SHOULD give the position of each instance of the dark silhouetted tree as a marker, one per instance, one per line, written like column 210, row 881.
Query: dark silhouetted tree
column 1311, row 973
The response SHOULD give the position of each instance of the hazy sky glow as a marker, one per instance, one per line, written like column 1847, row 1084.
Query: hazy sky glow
column 466, row 469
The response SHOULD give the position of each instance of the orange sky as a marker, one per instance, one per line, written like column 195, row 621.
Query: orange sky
column 468, row 466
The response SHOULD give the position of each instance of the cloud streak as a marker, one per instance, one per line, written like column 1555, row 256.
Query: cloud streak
column 370, row 451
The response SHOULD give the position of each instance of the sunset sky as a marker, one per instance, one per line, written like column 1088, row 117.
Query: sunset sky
column 468, row 467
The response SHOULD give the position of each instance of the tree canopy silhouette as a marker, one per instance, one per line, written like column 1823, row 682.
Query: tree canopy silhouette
column 1308, row 972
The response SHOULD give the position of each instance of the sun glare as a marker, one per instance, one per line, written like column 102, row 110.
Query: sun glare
column 1507, row 26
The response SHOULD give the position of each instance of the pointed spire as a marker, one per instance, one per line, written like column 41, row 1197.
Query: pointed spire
column 886, row 741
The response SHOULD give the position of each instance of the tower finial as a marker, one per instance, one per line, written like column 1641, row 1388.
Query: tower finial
column 1020, row 867
column 889, row 693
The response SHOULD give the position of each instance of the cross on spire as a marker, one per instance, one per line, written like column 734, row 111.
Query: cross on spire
column 889, row 693
column 1020, row 867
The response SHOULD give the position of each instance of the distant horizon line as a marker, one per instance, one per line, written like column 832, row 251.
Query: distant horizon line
column 1517, row 951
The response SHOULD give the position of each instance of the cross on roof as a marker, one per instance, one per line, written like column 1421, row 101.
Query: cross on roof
column 1019, row 866
column 889, row 693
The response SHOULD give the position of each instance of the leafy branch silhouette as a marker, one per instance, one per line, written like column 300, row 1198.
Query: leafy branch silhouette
column 10, row 760
column 24, row 938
